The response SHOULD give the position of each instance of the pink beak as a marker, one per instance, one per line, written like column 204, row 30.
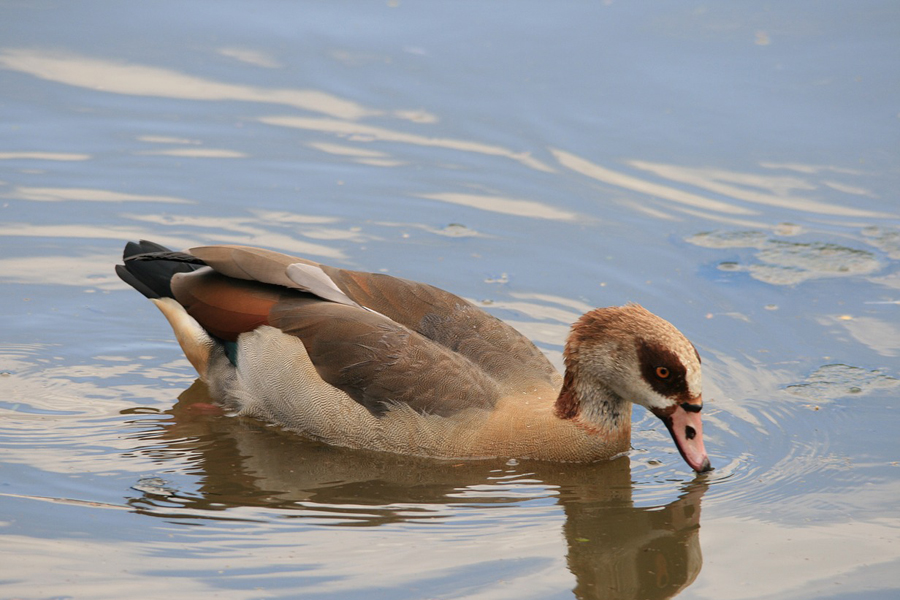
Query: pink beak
column 686, row 427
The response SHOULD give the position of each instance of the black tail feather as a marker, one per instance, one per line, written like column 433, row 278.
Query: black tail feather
column 149, row 267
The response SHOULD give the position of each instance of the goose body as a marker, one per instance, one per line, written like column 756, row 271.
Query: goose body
column 366, row 360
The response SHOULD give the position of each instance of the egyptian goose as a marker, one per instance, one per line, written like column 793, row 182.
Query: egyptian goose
column 366, row 360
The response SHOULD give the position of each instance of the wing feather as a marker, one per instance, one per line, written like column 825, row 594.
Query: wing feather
column 224, row 306
column 380, row 363
column 451, row 322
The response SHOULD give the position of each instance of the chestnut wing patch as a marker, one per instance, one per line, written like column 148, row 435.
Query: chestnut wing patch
column 224, row 306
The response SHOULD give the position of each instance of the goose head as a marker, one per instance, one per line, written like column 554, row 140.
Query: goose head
column 627, row 354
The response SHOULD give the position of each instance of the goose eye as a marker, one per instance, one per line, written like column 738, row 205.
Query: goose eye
column 662, row 372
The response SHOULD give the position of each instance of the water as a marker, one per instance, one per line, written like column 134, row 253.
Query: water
column 732, row 168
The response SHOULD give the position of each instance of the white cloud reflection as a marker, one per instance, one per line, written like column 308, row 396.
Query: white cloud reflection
column 507, row 206
column 93, row 232
column 141, row 80
column 722, row 195
column 166, row 139
column 363, row 156
column 754, row 188
column 362, row 132
column 257, row 58
column 85, row 271
column 636, row 184
column 878, row 335
column 195, row 153
column 53, row 194
column 241, row 230
column 57, row 156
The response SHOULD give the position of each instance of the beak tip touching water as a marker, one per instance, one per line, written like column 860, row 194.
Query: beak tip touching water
column 703, row 467
column 686, row 429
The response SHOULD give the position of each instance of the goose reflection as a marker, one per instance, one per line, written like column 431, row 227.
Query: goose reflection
column 614, row 548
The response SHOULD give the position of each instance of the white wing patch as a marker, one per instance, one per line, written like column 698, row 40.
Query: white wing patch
column 312, row 279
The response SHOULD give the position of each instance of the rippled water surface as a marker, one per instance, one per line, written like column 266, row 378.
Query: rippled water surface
column 733, row 167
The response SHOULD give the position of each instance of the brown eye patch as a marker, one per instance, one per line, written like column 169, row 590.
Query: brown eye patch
column 663, row 371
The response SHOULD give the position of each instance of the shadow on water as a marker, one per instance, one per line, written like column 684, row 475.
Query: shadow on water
column 615, row 549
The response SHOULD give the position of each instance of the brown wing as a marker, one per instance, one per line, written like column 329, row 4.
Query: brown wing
column 374, row 360
column 246, row 262
column 379, row 362
column 451, row 321
column 438, row 315
column 445, row 318
column 256, row 264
